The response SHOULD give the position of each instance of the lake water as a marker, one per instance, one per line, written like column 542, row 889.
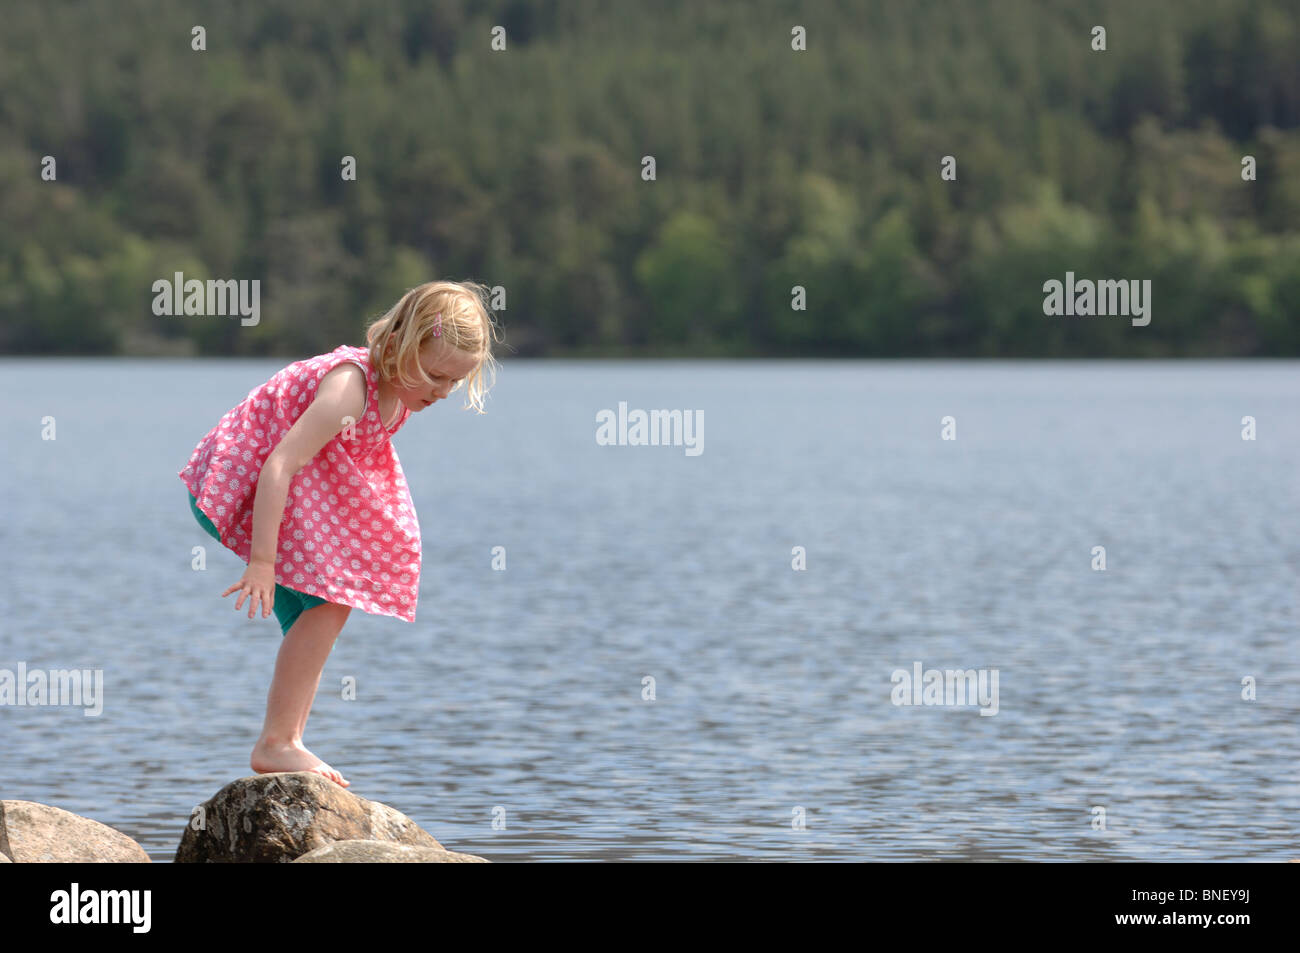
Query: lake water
column 519, row 693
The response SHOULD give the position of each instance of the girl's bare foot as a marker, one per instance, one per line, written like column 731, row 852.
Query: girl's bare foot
column 268, row 757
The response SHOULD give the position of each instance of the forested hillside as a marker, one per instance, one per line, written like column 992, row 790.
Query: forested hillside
column 774, row 168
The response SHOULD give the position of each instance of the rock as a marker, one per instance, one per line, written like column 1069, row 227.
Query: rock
column 276, row 818
column 383, row 852
column 32, row 833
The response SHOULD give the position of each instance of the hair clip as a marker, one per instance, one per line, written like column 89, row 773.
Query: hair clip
column 437, row 325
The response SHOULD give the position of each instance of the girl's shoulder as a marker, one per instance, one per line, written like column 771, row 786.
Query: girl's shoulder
column 359, row 382
column 359, row 393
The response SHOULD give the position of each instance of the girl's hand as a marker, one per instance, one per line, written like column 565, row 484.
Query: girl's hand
column 258, row 584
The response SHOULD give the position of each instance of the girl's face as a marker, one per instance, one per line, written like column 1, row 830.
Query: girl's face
column 446, row 365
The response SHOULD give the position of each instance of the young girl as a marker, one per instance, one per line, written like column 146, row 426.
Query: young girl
column 302, row 482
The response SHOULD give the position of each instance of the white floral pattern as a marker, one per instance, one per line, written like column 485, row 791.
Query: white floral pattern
column 349, row 532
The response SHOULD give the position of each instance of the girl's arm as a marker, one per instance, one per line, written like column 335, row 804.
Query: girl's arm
column 340, row 395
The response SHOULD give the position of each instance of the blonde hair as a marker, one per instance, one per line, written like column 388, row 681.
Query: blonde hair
column 457, row 313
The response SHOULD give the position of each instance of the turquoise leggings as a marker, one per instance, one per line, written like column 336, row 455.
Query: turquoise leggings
column 288, row 603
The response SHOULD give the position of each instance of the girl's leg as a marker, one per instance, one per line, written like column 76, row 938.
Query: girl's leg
column 293, row 688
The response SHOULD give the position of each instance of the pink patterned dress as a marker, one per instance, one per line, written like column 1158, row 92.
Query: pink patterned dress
column 349, row 533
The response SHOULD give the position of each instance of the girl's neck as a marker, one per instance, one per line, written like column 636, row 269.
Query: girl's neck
column 390, row 408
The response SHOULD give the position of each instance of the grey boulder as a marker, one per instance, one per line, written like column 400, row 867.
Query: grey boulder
column 276, row 818
column 32, row 833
